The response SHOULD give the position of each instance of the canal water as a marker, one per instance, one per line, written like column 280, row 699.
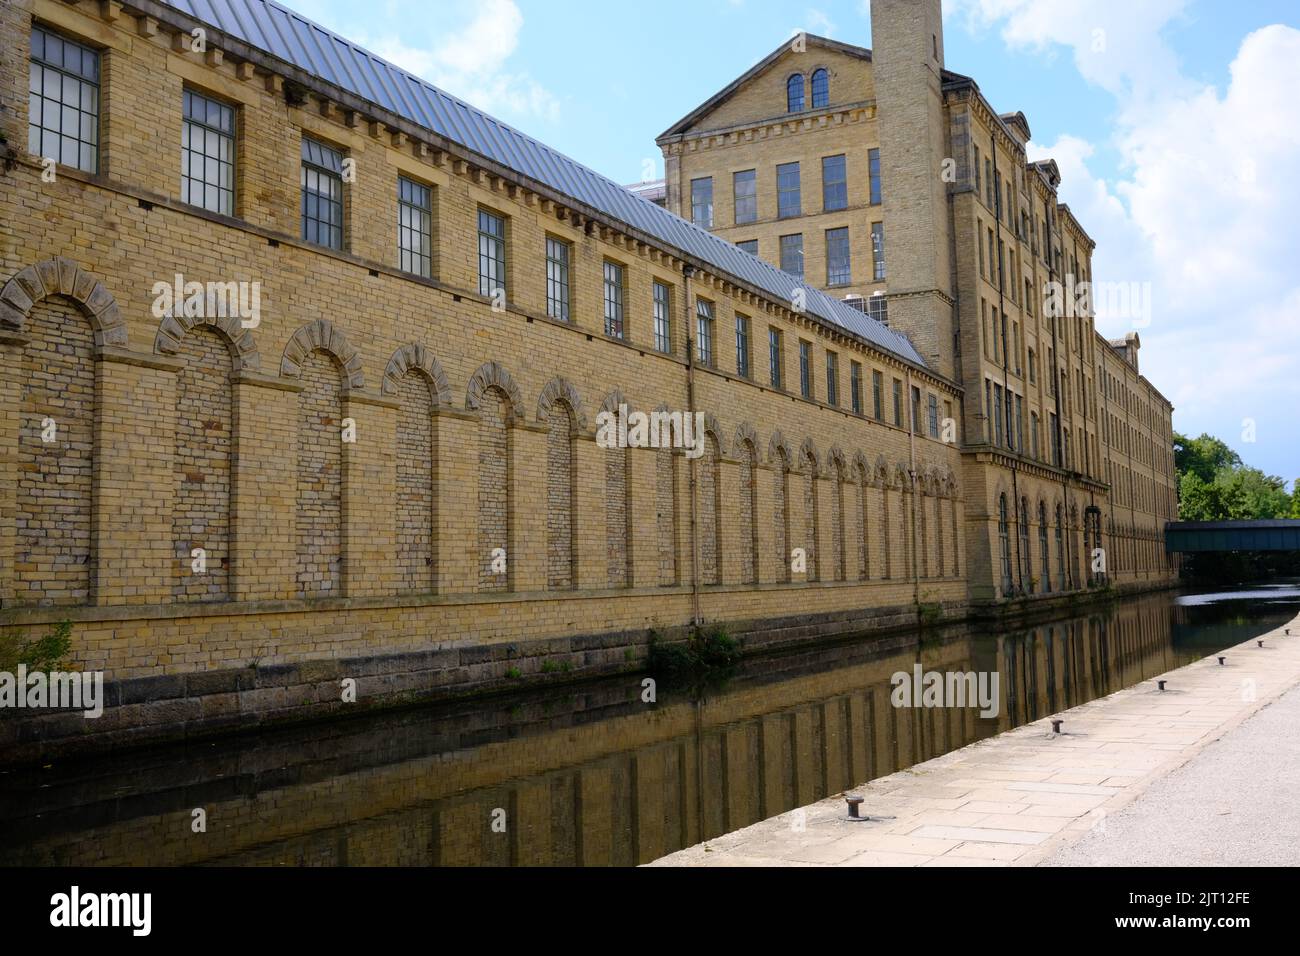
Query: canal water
column 589, row 774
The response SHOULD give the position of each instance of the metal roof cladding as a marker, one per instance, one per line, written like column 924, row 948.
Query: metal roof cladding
column 303, row 44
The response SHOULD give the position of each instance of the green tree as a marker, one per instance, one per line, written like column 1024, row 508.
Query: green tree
column 1205, row 456
column 1199, row 500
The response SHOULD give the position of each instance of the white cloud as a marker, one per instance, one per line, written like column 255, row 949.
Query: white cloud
column 473, row 63
column 819, row 23
column 1205, row 206
column 1116, row 44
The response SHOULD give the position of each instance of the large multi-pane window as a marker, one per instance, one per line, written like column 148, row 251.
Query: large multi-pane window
column 873, row 173
column 557, row 278
column 63, row 101
column 821, row 89
column 835, row 183
column 838, row 269
column 878, row 308
column 702, row 202
column 491, row 253
column 414, row 227
column 744, row 186
column 614, row 299
column 878, row 395
column 774, row 353
column 932, row 411
column 749, row 245
column 878, row 250
column 742, row 345
column 855, row 387
column 916, row 410
column 704, row 331
column 792, row 255
column 662, row 317
column 898, row 403
column 787, row 190
column 208, row 153
column 805, row 369
column 794, row 93
column 832, row 379
column 322, row 194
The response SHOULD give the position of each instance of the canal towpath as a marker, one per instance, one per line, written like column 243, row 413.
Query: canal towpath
column 1032, row 795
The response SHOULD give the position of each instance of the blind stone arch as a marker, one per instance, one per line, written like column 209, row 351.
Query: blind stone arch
column 493, row 394
column 561, row 558
column 318, row 515
column 62, row 276
column 782, row 458
column 710, row 503
column 837, row 472
column 416, row 386
column 746, row 450
column 202, row 459
column 618, row 501
column 862, row 471
column 810, row 467
column 667, row 517
column 561, row 390
column 173, row 331
column 323, row 336
column 413, row 358
column 493, row 375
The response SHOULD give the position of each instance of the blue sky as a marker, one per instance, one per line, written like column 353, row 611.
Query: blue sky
column 1172, row 121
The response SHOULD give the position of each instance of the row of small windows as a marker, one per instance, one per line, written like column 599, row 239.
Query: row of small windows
column 64, row 79
column 839, row 270
column 820, row 88
column 789, row 193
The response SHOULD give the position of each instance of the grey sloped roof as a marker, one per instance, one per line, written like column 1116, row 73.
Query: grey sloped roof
column 307, row 46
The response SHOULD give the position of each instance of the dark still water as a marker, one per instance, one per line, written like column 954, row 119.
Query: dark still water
column 588, row 774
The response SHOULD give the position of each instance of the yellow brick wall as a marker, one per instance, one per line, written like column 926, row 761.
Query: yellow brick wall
column 339, row 322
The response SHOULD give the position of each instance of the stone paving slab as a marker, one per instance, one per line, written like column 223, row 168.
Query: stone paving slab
column 1020, row 797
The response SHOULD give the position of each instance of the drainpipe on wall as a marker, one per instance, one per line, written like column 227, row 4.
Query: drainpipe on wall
column 911, row 475
column 687, row 272
column 1008, row 416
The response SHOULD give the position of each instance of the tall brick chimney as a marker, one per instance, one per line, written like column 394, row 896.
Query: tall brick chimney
column 907, row 60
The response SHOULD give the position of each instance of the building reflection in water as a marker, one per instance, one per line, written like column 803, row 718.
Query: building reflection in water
column 586, row 775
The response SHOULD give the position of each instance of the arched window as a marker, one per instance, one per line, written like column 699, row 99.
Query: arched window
column 821, row 89
column 1004, row 543
column 794, row 93
column 1044, row 557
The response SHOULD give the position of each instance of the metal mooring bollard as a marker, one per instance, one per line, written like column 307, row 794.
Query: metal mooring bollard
column 854, row 801
column 1261, row 643
column 1221, row 660
column 1056, row 726
column 1160, row 684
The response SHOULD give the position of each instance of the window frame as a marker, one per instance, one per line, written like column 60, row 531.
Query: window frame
column 662, row 313
column 311, row 167
column 558, row 278
column 425, row 211
column 783, row 192
column 492, row 241
column 614, row 285
column 187, row 93
column 835, row 189
column 750, row 199
column 65, row 72
column 697, row 205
